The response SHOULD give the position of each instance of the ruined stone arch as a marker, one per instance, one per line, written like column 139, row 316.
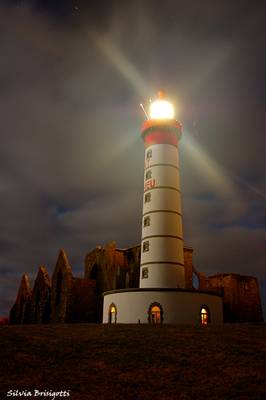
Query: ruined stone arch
column 195, row 280
column 21, row 311
column 41, row 297
column 62, row 282
column 92, row 261
column 59, row 288
column 94, row 272
column 201, row 278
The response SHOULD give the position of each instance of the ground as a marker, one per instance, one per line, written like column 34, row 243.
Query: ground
column 135, row 361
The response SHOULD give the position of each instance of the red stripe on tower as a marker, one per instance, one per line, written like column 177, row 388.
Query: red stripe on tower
column 160, row 132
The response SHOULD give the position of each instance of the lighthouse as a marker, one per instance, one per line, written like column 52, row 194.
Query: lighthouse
column 162, row 296
column 162, row 254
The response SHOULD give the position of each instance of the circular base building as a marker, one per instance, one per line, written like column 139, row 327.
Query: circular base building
column 155, row 305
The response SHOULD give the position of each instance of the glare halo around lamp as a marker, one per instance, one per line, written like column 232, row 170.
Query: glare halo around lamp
column 161, row 108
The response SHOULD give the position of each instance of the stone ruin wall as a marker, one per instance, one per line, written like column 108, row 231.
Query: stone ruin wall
column 20, row 313
column 41, row 297
column 241, row 296
column 66, row 298
column 62, row 299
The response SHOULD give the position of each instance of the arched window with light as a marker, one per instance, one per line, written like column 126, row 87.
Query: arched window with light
column 112, row 314
column 155, row 313
column 204, row 315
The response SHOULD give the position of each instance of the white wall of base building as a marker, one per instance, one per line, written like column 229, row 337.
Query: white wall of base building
column 179, row 306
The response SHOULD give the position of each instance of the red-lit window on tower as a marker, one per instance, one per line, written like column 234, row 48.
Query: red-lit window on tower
column 147, row 197
column 149, row 184
column 145, row 246
column 148, row 175
column 204, row 316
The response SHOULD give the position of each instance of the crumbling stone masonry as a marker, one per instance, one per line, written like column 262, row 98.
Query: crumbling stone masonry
column 68, row 299
column 62, row 283
column 241, row 298
column 41, row 298
column 21, row 311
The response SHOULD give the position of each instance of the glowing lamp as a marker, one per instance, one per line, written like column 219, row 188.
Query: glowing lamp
column 161, row 109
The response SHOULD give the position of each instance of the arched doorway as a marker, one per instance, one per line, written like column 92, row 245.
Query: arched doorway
column 112, row 315
column 155, row 313
column 94, row 272
column 204, row 316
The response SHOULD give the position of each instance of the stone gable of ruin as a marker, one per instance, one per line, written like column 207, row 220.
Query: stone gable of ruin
column 41, row 297
column 66, row 298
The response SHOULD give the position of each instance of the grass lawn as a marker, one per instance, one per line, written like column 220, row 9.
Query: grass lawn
column 135, row 361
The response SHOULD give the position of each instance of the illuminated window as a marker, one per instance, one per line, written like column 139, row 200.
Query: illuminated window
column 145, row 273
column 147, row 221
column 204, row 316
column 147, row 197
column 149, row 154
column 148, row 174
column 146, row 246
column 112, row 314
column 155, row 314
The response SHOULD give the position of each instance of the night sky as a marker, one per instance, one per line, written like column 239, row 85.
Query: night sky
column 72, row 75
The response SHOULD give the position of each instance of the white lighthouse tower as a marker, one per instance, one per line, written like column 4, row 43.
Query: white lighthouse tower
column 162, row 254
column 162, row 296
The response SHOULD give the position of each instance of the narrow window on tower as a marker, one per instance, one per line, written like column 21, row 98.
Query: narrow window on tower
column 148, row 175
column 145, row 273
column 149, row 154
column 145, row 246
column 147, row 197
column 147, row 221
